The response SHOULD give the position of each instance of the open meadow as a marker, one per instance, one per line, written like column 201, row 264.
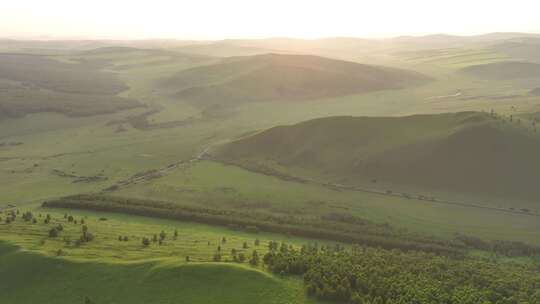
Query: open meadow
column 270, row 171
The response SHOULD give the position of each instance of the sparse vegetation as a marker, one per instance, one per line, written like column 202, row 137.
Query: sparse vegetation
column 335, row 227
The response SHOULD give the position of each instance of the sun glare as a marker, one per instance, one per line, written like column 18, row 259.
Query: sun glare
column 207, row 19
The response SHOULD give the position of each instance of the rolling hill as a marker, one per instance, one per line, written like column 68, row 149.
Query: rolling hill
column 505, row 70
column 283, row 77
column 33, row 83
column 535, row 92
column 524, row 48
column 29, row 277
column 465, row 153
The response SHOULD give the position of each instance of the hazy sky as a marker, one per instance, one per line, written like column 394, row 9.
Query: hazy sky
column 206, row 19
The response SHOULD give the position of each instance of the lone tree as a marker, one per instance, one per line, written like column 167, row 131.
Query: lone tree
column 86, row 236
column 162, row 235
column 254, row 258
column 27, row 216
column 145, row 242
column 53, row 232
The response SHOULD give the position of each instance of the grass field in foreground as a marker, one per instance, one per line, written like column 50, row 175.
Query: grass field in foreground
column 33, row 278
column 110, row 271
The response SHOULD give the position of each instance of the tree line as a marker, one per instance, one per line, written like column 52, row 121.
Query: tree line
column 334, row 227
column 378, row 276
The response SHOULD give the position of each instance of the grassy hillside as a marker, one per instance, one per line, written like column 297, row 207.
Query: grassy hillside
column 468, row 152
column 283, row 77
column 522, row 49
column 50, row 74
column 107, row 270
column 214, row 185
column 33, row 83
column 225, row 49
column 111, row 271
column 28, row 278
column 126, row 58
column 535, row 92
column 504, row 70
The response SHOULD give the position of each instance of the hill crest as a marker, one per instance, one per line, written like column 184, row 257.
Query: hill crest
column 464, row 153
column 271, row 77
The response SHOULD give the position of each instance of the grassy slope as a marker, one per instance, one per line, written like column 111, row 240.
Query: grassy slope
column 522, row 49
column 58, row 76
column 198, row 241
column 110, row 271
column 284, row 77
column 35, row 278
column 217, row 185
column 87, row 146
column 29, row 277
column 504, row 70
column 468, row 153
column 122, row 154
column 33, row 83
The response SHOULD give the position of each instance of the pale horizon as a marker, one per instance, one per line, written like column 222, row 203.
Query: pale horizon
column 208, row 20
column 75, row 38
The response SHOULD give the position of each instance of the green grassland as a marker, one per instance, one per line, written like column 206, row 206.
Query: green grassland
column 198, row 241
column 274, row 77
column 521, row 49
column 91, row 146
column 505, row 70
column 141, row 283
column 497, row 155
column 108, row 270
column 107, row 144
column 33, row 84
column 216, row 185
